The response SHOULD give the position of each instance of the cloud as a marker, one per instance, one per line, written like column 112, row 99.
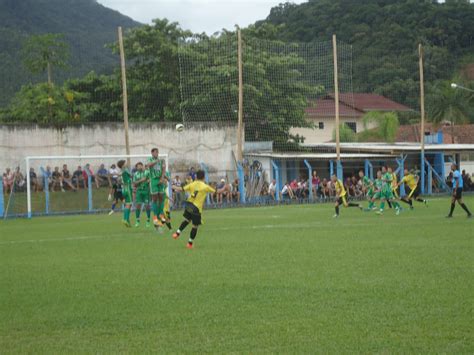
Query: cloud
column 197, row 15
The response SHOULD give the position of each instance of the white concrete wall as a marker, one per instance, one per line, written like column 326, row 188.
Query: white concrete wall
column 317, row 135
column 212, row 144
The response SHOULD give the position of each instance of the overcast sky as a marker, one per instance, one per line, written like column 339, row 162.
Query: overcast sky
column 197, row 15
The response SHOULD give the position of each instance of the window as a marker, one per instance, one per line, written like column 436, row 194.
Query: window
column 321, row 125
column 352, row 125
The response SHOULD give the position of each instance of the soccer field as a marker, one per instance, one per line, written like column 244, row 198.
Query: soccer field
column 272, row 279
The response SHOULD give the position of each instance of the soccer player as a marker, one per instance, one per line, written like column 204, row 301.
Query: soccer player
column 126, row 191
column 142, row 196
column 457, row 192
column 368, row 188
column 157, row 187
column 387, row 192
column 341, row 196
column 198, row 191
column 412, row 188
column 394, row 183
column 167, row 208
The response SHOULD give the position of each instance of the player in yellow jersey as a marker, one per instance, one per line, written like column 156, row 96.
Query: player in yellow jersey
column 341, row 196
column 412, row 188
column 198, row 191
column 394, row 183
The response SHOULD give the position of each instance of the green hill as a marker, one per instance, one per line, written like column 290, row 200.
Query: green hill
column 87, row 26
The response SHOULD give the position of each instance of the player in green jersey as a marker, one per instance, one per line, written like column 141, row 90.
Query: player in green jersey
column 142, row 196
column 126, row 191
column 156, row 168
column 387, row 192
column 377, row 190
column 368, row 187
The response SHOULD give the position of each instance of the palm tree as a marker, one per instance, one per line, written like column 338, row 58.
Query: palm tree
column 448, row 104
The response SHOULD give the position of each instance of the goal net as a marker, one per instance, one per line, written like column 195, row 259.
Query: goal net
column 58, row 185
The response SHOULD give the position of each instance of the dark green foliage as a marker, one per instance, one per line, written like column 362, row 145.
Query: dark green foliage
column 385, row 35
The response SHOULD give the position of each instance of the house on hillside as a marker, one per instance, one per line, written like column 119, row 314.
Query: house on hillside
column 352, row 107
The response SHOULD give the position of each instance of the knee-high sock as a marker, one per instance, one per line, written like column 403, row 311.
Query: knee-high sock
column 382, row 205
column 453, row 206
column 161, row 205
column 337, row 210
column 154, row 206
column 137, row 213
column 148, row 214
column 389, row 204
column 464, row 207
column 192, row 235
column 126, row 213
column 182, row 226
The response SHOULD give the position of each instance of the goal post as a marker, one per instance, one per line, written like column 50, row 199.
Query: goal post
column 43, row 167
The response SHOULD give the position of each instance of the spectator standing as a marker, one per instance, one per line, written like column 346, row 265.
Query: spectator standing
column 102, row 176
column 34, row 183
column 8, row 180
column 176, row 187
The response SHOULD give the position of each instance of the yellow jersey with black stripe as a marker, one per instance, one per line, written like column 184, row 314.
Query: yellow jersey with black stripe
column 394, row 180
column 410, row 181
column 197, row 193
column 340, row 190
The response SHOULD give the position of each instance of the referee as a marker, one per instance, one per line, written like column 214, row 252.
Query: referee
column 457, row 192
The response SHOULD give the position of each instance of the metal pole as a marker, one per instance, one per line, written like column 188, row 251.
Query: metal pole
column 28, row 187
column 124, row 93
column 422, row 112
column 241, row 98
column 336, row 96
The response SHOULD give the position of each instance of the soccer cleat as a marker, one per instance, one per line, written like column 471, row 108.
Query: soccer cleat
column 137, row 224
column 189, row 245
column 398, row 212
column 126, row 223
column 111, row 212
column 380, row 213
column 147, row 225
column 175, row 235
column 157, row 223
column 335, row 216
column 374, row 208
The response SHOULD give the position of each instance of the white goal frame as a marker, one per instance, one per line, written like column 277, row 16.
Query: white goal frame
column 29, row 159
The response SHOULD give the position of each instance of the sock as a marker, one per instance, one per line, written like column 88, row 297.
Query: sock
column 389, row 204
column 192, row 235
column 464, row 207
column 161, row 206
column 126, row 214
column 168, row 224
column 337, row 210
column 148, row 214
column 353, row 204
column 382, row 206
column 137, row 213
column 411, row 203
column 453, row 205
column 182, row 226
column 154, row 206
column 113, row 206
column 396, row 204
column 371, row 204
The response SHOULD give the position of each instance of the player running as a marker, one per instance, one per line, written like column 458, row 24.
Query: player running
column 141, row 181
column 341, row 194
column 412, row 189
column 157, row 187
column 126, row 191
column 198, row 191
column 387, row 192
column 167, row 208
column 458, row 185
column 394, row 183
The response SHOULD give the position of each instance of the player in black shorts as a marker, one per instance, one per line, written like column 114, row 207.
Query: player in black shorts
column 118, row 196
column 457, row 192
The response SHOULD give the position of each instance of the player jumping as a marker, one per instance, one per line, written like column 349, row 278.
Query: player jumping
column 157, row 187
column 142, row 197
column 198, row 191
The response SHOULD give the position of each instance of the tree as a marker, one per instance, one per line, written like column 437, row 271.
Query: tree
column 346, row 134
column 43, row 52
column 387, row 125
column 448, row 104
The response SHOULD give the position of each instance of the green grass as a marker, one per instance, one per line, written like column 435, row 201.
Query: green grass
column 277, row 279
